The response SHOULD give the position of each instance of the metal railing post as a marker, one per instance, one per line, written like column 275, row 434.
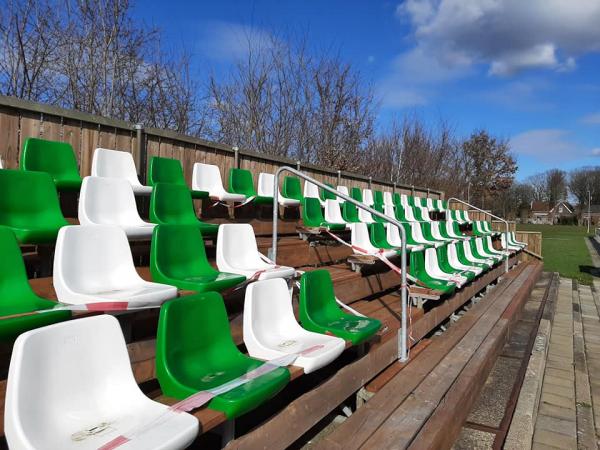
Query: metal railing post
column 403, row 336
column 506, row 252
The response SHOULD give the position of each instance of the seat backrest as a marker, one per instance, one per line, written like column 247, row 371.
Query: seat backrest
column 332, row 212
column 114, row 164
column 292, row 188
column 350, row 212
column 356, row 194
column 14, row 285
column 29, row 199
column 312, row 216
column 173, row 204
column 378, row 198
column 378, row 236
column 393, row 235
column 367, row 195
column 360, row 237
column 56, row 158
column 107, row 201
column 343, row 190
column 311, row 190
column 266, row 182
column 207, row 177
column 317, row 297
column 85, row 365
column 240, row 182
column 177, row 252
column 326, row 195
column 193, row 340
column 236, row 246
column 268, row 310
column 165, row 170
column 388, row 198
column 92, row 259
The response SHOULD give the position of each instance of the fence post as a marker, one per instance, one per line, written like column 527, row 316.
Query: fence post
column 298, row 165
column 412, row 190
column 142, row 162
column 236, row 156
column 370, row 182
column 339, row 180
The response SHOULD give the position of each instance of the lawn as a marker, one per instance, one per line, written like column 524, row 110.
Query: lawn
column 564, row 250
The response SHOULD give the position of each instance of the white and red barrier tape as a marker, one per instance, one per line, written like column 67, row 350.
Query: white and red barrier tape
column 91, row 307
column 203, row 397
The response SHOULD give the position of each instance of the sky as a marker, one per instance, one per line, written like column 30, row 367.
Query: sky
column 526, row 70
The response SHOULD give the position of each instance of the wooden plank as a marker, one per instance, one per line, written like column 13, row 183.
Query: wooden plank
column 9, row 129
column 405, row 421
column 358, row 427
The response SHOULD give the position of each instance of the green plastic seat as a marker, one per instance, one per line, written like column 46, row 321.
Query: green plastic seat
column 417, row 270
column 396, row 198
column 378, row 197
column 55, row 158
column 195, row 352
column 16, row 295
column 378, row 237
column 356, row 194
column 29, row 206
column 240, row 182
column 291, row 188
column 350, row 212
column 478, row 254
column 312, row 215
column 178, row 258
column 319, row 311
column 410, row 240
column 172, row 204
column 168, row 170
column 462, row 258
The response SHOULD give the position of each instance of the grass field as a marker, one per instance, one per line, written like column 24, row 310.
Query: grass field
column 564, row 250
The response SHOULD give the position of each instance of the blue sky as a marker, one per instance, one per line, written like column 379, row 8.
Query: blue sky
column 528, row 71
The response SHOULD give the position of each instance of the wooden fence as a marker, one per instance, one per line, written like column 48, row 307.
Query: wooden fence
column 20, row 119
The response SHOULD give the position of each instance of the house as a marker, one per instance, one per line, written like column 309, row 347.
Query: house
column 545, row 213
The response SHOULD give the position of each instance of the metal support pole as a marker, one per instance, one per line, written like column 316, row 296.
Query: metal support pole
column 394, row 188
column 403, row 336
column 142, row 162
column 370, row 182
column 589, row 210
column 339, row 181
column 298, row 165
column 412, row 190
column 236, row 157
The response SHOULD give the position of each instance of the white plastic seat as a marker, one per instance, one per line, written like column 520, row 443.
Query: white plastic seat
column 271, row 330
column 484, row 253
column 425, row 214
column 434, row 270
column 408, row 213
column 93, row 263
column 510, row 247
column 404, row 200
column 361, row 239
column 512, row 239
column 117, row 164
column 393, row 237
column 333, row 213
column 437, row 234
column 492, row 249
column 207, row 178
column 311, row 190
column 343, row 190
column 266, row 181
column 388, row 198
column 238, row 253
column 418, row 236
column 368, row 197
column 70, row 386
column 1, row 164
column 110, row 201
column 365, row 216
column 456, row 264
column 450, row 230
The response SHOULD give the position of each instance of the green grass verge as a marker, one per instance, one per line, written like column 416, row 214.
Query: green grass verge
column 564, row 250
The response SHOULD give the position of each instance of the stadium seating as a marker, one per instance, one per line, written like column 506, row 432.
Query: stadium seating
column 388, row 198
column 458, row 263
column 238, row 253
column 195, row 352
column 241, row 182
column 434, row 269
column 448, row 265
column 94, row 264
column 116, row 164
column 312, row 215
column 29, row 206
column 266, row 182
column 326, row 195
column 271, row 330
column 342, row 190
column 167, row 170
column 55, row 158
column 311, row 190
column 178, row 258
column 453, row 230
column 16, row 295
column 172, row 204
column 320, row 313
column 361, row 239
column 207, row 178
column 70, row 386
column 393, row 237
column 291, row 188
column 350, row 213
column 110, row 201
column 478, row 251
column 367, row 195
column 356, row 194
column 472, row 256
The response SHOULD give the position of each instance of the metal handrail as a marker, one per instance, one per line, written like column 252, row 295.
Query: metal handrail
column 506, row 252
column 403, row 337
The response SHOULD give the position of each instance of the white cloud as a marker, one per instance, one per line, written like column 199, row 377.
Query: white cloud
column 507, row 35
column 591, row 119
column 549, row 145
column 225, row 41
column 595, row 151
